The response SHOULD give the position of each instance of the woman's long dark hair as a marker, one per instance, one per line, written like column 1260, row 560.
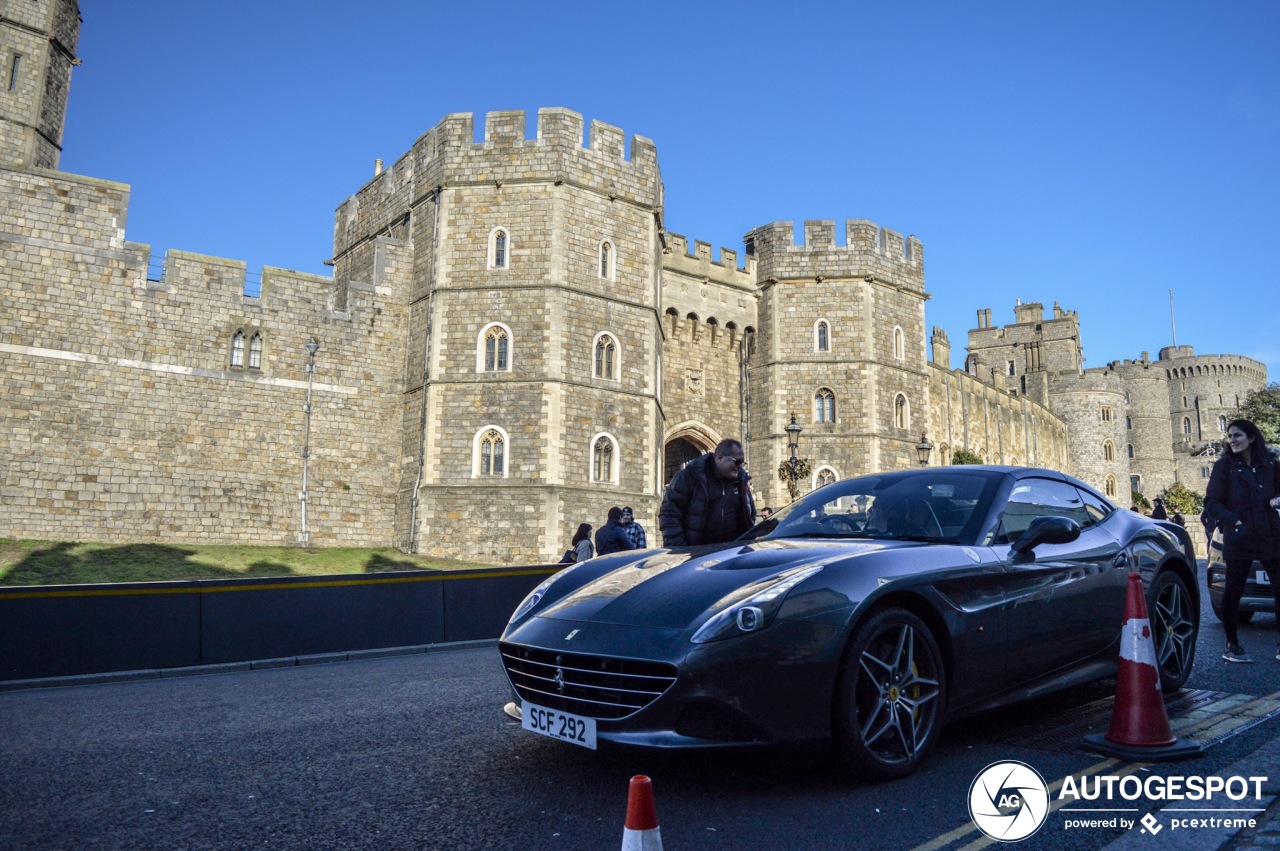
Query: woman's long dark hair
column 583, row 533
column 1258, row 451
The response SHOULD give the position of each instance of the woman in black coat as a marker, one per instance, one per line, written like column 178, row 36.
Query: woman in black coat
column 1242, row 496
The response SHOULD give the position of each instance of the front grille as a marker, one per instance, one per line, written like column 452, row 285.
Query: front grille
column 605, row 687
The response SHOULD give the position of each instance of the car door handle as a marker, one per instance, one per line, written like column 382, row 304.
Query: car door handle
column 1121, row 560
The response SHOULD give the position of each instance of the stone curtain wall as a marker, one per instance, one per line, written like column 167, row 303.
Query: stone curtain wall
column 121, row 417
column 1001, row 427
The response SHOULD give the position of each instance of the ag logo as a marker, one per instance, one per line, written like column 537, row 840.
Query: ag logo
column 1008, row 801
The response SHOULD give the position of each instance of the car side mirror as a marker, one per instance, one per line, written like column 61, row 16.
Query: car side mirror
column 1044, row 530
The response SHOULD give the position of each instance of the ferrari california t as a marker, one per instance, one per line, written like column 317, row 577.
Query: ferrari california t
column 861, row 617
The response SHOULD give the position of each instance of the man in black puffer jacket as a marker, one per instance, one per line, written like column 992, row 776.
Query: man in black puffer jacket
column 611, row 537
column 709, row 501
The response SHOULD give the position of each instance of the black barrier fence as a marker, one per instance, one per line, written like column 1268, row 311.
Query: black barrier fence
column 67, row 630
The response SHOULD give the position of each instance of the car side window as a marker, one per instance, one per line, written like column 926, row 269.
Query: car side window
column 1096, row 508
column 1032, row 498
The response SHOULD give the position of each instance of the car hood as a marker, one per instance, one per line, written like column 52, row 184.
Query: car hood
column 677, row 589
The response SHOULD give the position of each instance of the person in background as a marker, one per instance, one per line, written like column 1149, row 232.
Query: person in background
column 765, row 513
column 709, row 501
column 611, row 537
column 581, row 547
column 1242, row 495
column 1177, row 517
column 635, row 532
column 1158, row 512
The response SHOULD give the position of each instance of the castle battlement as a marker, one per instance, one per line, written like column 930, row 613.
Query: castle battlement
column 1182, row 362
column 555, row 126
column 1100, row 380
column 870, row 252
column 448, row 157
column 698, row 263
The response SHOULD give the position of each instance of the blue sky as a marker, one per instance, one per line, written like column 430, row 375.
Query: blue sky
column 1096, row 154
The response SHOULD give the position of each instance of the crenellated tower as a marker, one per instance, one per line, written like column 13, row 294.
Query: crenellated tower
column 840, row 346
column 37, row 52
column 532, row 371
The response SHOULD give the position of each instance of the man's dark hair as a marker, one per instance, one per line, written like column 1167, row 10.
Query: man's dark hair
column 727, row 445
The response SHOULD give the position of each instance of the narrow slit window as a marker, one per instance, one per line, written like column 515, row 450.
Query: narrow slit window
column 13, row 71
column 606, row 259
column 237, row 349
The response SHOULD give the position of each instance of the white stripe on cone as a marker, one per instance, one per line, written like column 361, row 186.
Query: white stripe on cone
column 1136, row 643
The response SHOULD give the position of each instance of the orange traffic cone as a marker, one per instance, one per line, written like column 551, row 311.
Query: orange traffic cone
column 1139, row 725
column 641, row 832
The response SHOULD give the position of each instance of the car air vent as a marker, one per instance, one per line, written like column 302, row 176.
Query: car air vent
column 606, row 687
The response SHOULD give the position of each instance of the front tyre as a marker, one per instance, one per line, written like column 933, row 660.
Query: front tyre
column 891, row 696
column 1174, row 624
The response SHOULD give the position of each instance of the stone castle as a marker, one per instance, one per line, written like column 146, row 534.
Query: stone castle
column 511, row 342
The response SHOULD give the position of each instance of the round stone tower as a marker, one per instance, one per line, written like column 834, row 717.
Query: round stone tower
column 1146, row 425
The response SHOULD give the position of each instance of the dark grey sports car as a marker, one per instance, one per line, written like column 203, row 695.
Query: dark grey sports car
column 863, row 615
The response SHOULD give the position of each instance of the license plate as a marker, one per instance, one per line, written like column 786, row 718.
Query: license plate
column 559, row 725
column 1263, row 579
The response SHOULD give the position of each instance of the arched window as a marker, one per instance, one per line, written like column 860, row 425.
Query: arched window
column 824, row 406
column 1109, row 487
column 1222, row 421
column 1135, row 484
column 606, row 259
column 493, row 350
column 1108, row 451
column 499, row 248
column 899, row 344
column 490, row 453
column 901, row 412
column 824, row 476
column 1130, row 447
column 255, row 351
column 606, row 357
column 821, row 336
column 237, row 349
column 1186, row 425
column 604, row 455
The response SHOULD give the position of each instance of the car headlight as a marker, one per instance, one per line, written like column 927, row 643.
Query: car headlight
column 754, row 611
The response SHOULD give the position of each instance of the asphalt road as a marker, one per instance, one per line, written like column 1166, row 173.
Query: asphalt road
column 414, row 752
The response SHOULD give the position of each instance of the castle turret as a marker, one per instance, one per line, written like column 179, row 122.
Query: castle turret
column 533, row 373
column 842, row 348
column 941, row 348
column 37, row 51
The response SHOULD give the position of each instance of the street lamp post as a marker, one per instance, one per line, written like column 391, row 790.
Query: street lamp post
column 793, row 430
column 312, row 347
column 791, row 470
column 923, row 450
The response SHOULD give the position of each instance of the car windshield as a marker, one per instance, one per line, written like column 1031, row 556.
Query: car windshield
column 946, row 506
